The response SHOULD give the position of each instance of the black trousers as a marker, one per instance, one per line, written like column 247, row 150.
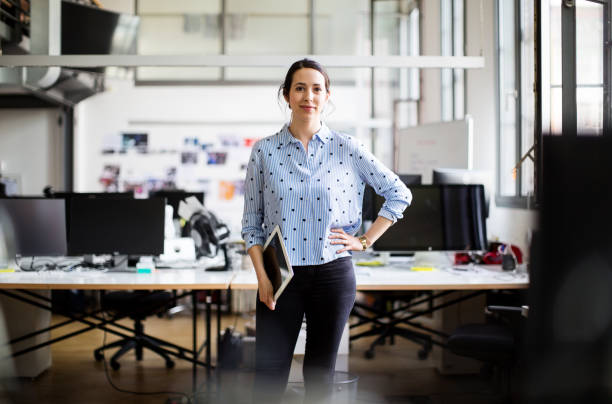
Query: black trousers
column 325, row 294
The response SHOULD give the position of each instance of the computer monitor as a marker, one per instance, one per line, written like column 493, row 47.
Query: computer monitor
column 116, row 226
column 368, row 211
column 38, row 225
column 174, row 197
column 465, row 176
column 440, row 218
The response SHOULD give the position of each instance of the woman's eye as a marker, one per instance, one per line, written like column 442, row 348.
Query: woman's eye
column 299, row 88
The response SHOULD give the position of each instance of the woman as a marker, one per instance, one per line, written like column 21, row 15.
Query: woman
column 309, row 180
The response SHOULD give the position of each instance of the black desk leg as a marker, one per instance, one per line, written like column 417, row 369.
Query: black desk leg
column 208, row 344
column 194, row 319
column 218, row 326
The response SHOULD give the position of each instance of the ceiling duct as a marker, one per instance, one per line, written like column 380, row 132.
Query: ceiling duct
column 65, row 28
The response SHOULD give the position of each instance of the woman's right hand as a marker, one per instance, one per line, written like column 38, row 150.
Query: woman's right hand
column 266, row 293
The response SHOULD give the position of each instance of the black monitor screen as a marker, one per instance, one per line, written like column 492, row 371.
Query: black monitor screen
column 68, row 196
column 464, row 176
column 440, row 218
column 174, row 197
column 38, row 225
column 123, row 226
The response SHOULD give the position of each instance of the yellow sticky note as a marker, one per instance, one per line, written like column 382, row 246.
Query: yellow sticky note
column 370, row 263
column 422, row 268
column 7, row 270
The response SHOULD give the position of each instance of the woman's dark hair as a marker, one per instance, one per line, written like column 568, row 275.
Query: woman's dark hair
column 300, row 64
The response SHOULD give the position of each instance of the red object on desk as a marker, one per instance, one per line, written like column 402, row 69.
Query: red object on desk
column 492, row 257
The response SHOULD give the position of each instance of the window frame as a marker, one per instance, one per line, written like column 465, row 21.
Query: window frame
column 569, row 79
column 517, row 200
column 457, row 104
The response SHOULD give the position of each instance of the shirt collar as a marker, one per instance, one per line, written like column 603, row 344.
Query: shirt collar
column 324, row 135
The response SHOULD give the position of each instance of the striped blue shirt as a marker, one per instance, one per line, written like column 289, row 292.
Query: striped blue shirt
column 308, row 192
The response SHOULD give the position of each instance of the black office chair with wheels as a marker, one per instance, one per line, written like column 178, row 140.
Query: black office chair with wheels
column 136, row 305
column 386, row 323
column 496, row 344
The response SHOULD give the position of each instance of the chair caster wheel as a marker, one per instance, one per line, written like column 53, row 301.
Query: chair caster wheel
column 115, row 365
column 169, row 364
column 369, row 354
column 422, row 354
column 98, row 356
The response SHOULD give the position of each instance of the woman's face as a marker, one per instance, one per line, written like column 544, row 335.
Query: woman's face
column 308, row 94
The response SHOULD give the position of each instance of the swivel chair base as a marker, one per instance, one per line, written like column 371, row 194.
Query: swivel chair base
column 137, row 342
column 421, row 339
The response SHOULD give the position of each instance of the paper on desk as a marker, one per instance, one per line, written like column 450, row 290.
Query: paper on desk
column 189, row 206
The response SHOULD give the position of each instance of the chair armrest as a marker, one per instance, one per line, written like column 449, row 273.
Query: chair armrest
column 523, row 310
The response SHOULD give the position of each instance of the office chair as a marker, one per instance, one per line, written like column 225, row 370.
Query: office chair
column 495, row 343
column 137, row 305
column 385, row 321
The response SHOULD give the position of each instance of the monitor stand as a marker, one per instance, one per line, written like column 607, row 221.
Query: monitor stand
column 119, row 263
column 116, row 263
column 398, row 253
column 437, row 259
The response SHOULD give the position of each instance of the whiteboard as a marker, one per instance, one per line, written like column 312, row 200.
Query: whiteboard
column 425, row 147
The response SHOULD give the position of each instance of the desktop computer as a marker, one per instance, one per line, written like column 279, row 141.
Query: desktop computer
column 38, row 225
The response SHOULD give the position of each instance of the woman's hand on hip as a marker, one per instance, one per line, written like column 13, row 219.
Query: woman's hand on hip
column 266, row 293
column 349, row 242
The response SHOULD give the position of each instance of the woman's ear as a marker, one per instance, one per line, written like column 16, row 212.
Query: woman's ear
column 287, row 100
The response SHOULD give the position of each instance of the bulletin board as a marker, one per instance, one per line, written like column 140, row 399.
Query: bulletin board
column 422, row 148
column 211, row 158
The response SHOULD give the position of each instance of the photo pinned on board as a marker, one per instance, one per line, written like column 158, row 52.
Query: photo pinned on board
column 216, row 158
column 189, row 158
column 230, row 140
column 110, row 177
column 229, row 190
column 135, row 141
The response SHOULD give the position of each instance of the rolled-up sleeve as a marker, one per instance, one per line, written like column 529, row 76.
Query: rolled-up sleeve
column 252, row 217
column 385, row 183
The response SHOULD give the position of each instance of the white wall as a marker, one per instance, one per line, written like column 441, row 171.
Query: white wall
column 31, row 146
column 431, row 96
column 119, row 6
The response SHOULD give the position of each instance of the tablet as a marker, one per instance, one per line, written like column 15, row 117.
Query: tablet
column 276, row 262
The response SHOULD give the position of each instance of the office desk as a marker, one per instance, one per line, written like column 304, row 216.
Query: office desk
column 400, row 277
column 448, row 286
column 163, row 279
column 445, row 283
